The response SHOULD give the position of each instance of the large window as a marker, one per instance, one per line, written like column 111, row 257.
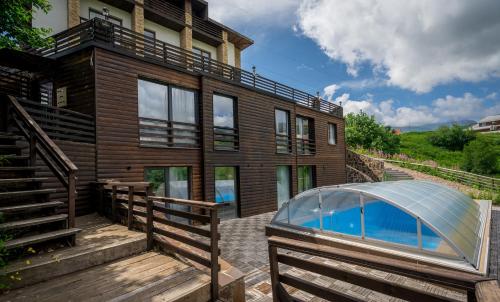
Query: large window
column 226, row 191
column 283, row 141
column 305, row 136
column 332, row 134
column 225, row 129
column 171, row 182
column 283, row 184
column 167, row 115
column 305, row 178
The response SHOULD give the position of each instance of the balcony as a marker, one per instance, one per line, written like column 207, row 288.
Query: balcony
column 165, row 13
column 306, row 146
column 206, row 31
column 97, row 32
column 162, row 133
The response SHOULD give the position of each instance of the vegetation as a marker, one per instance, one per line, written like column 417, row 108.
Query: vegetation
column 453, row 138
column 3, row 257
column 363, row 131
column 15, row 24
column 480, row 157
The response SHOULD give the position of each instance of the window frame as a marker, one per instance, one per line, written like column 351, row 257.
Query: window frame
column 235, row 128
column 202, row 52
column 237, row 202
column 95, row 11
column 334, row 134
column 151, row 31
column 167, row 177
column 311, row 150
column 289, row 130
column 169, row 109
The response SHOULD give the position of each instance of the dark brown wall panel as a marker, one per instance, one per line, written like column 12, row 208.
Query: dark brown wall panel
column 119, row 155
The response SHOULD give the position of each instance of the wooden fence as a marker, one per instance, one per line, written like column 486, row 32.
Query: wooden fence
column 134, row 202
column 466, row 178
column 281, row 242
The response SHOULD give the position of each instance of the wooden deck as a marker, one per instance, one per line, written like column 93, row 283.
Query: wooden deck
column 146, row 277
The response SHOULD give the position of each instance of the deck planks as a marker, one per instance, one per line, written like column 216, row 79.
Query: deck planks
column 149, row 275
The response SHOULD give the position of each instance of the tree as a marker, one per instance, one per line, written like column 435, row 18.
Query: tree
column 453, row 138
column 363, row 131
column 480, row 157
column 15, row 24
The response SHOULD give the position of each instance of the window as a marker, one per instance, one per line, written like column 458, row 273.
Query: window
column 283, row 184
column 205, row 57
column 332, row 134
column 225, row 130
column 283, row 142
column 94, row 13
column 305, row 136
column 388, row 223
column 226, row 191
column 167, row 115
column 305, row 178
column 149, row 33
column 171, row 182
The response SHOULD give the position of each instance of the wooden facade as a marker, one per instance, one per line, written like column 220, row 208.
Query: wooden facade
column 119, row 154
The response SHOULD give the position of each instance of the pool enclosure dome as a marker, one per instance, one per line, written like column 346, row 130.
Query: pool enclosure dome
column 420, row 217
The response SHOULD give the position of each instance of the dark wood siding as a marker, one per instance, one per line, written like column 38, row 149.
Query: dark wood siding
column 83, row 156
column 257, row 158
column 119, row 155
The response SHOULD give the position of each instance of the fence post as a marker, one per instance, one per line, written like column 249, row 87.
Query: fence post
column 274, row 270
column 130, row 217
column 113, row 204
column 214, row 253
column 149, row 222
column 71, row 198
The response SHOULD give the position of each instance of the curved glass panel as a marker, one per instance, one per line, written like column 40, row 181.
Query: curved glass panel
column 341, row 212
column 304, row 210
column 388, row 223
column 433, row 242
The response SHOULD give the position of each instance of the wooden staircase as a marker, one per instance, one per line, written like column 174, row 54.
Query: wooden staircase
column 28, row 214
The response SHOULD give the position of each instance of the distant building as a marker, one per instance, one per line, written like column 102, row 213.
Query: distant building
column 488, row 124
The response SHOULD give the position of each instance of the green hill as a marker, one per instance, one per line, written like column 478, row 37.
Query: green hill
column 417, row 146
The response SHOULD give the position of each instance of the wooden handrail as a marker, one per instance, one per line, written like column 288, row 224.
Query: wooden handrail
column 436, row 275
column 52, row 155
column 161, row 229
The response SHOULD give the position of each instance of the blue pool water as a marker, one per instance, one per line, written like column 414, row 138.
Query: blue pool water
column 382, row 222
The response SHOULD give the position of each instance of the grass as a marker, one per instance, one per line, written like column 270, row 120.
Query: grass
column 416, row 146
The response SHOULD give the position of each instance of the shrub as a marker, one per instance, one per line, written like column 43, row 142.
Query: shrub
column 363, row 131
column 452, row 138
column 480, row 157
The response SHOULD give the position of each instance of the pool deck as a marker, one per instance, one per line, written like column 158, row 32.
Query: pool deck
column 244, row 245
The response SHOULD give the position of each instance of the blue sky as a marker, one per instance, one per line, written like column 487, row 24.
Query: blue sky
column 406, row 71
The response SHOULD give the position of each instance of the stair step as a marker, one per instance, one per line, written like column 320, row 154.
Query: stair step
column 15, row 157
column 8, row 136
column 29, row 240
column 31, row 222
column 26, row 193
column 32, row 206
column 21, row 180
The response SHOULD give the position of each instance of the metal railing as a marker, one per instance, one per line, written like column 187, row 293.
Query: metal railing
column 283, row 144
column 163, row 133
column 165, row 9
column 306, row 146
column 226, row 138
column 111, row 36
column 207, row 27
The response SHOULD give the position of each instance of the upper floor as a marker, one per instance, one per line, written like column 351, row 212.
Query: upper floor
column 182, row 23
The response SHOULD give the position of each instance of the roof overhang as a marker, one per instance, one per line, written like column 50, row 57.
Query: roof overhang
column 25, row 61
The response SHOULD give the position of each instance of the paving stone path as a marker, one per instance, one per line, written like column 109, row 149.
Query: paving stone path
column 244, row 245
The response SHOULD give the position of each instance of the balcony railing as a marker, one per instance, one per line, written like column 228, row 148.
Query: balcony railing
column 165, row 9
column 105, row 34
column 226, row 138
column 283, row 144
column 306, row 146
column 162, row 133
column 207, row 27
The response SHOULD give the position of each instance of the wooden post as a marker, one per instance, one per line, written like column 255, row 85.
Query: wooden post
column 149, row 223
column 113, row 204
column 273, row 263
column 71, row 199
column 214, row 254
column 130, row 217
column 32, row 149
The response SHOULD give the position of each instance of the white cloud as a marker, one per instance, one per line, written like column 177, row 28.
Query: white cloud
column 329, row 91
column 416, row 44
column 257, row 12
column 449, row 108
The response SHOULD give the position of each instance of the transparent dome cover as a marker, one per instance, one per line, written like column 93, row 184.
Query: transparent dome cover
column 416, row 214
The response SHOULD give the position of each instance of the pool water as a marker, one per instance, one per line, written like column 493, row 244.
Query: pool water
column 382, row 222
